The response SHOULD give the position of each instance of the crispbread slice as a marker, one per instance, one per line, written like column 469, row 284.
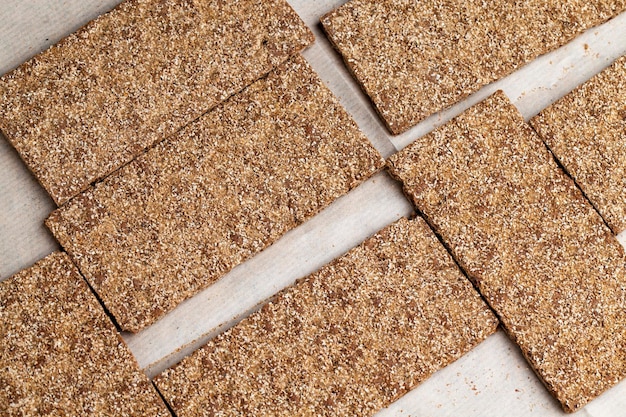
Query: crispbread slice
column 345, row 341
column 133, row 76
column 536, row 249
column 416, row 58
column 59, row 352
column 179, row 217
column 586, row 131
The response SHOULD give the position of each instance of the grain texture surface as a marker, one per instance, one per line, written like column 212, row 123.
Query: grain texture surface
column 414, row 59
column 345, row 341
column 536, row 249
column 586, row 131
column 60, row 355
column 133, row 76
column 222, row 189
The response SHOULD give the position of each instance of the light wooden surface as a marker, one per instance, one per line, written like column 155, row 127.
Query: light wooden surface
column 491, row 380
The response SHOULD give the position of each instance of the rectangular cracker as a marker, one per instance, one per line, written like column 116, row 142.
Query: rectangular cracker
column 219, row 191
column 59, row 352
column 133, row 76
column 536, row 249
column 346, row 341
column 586, row 132
column 417, row 58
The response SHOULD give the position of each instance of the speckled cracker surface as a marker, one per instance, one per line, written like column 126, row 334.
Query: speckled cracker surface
column 59, row 352
column 179, row 217
column 586, row 131
column 416, row 58
column 536, row 249
column 128, row 79
column 345, row 341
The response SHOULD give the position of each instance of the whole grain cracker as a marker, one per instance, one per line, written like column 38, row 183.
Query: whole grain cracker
column 345, row 341
column 586, row 131
column 133, row 76
column 219, row 191
column 59, row 352
column 536, row 249
column 416, row 58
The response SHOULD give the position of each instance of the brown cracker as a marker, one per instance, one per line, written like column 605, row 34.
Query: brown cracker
column 221, row 190
column 416, row 58
column 536, row 249
column 59, row 352
column 586, row 131
column 133, row 76
column 345, row 341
